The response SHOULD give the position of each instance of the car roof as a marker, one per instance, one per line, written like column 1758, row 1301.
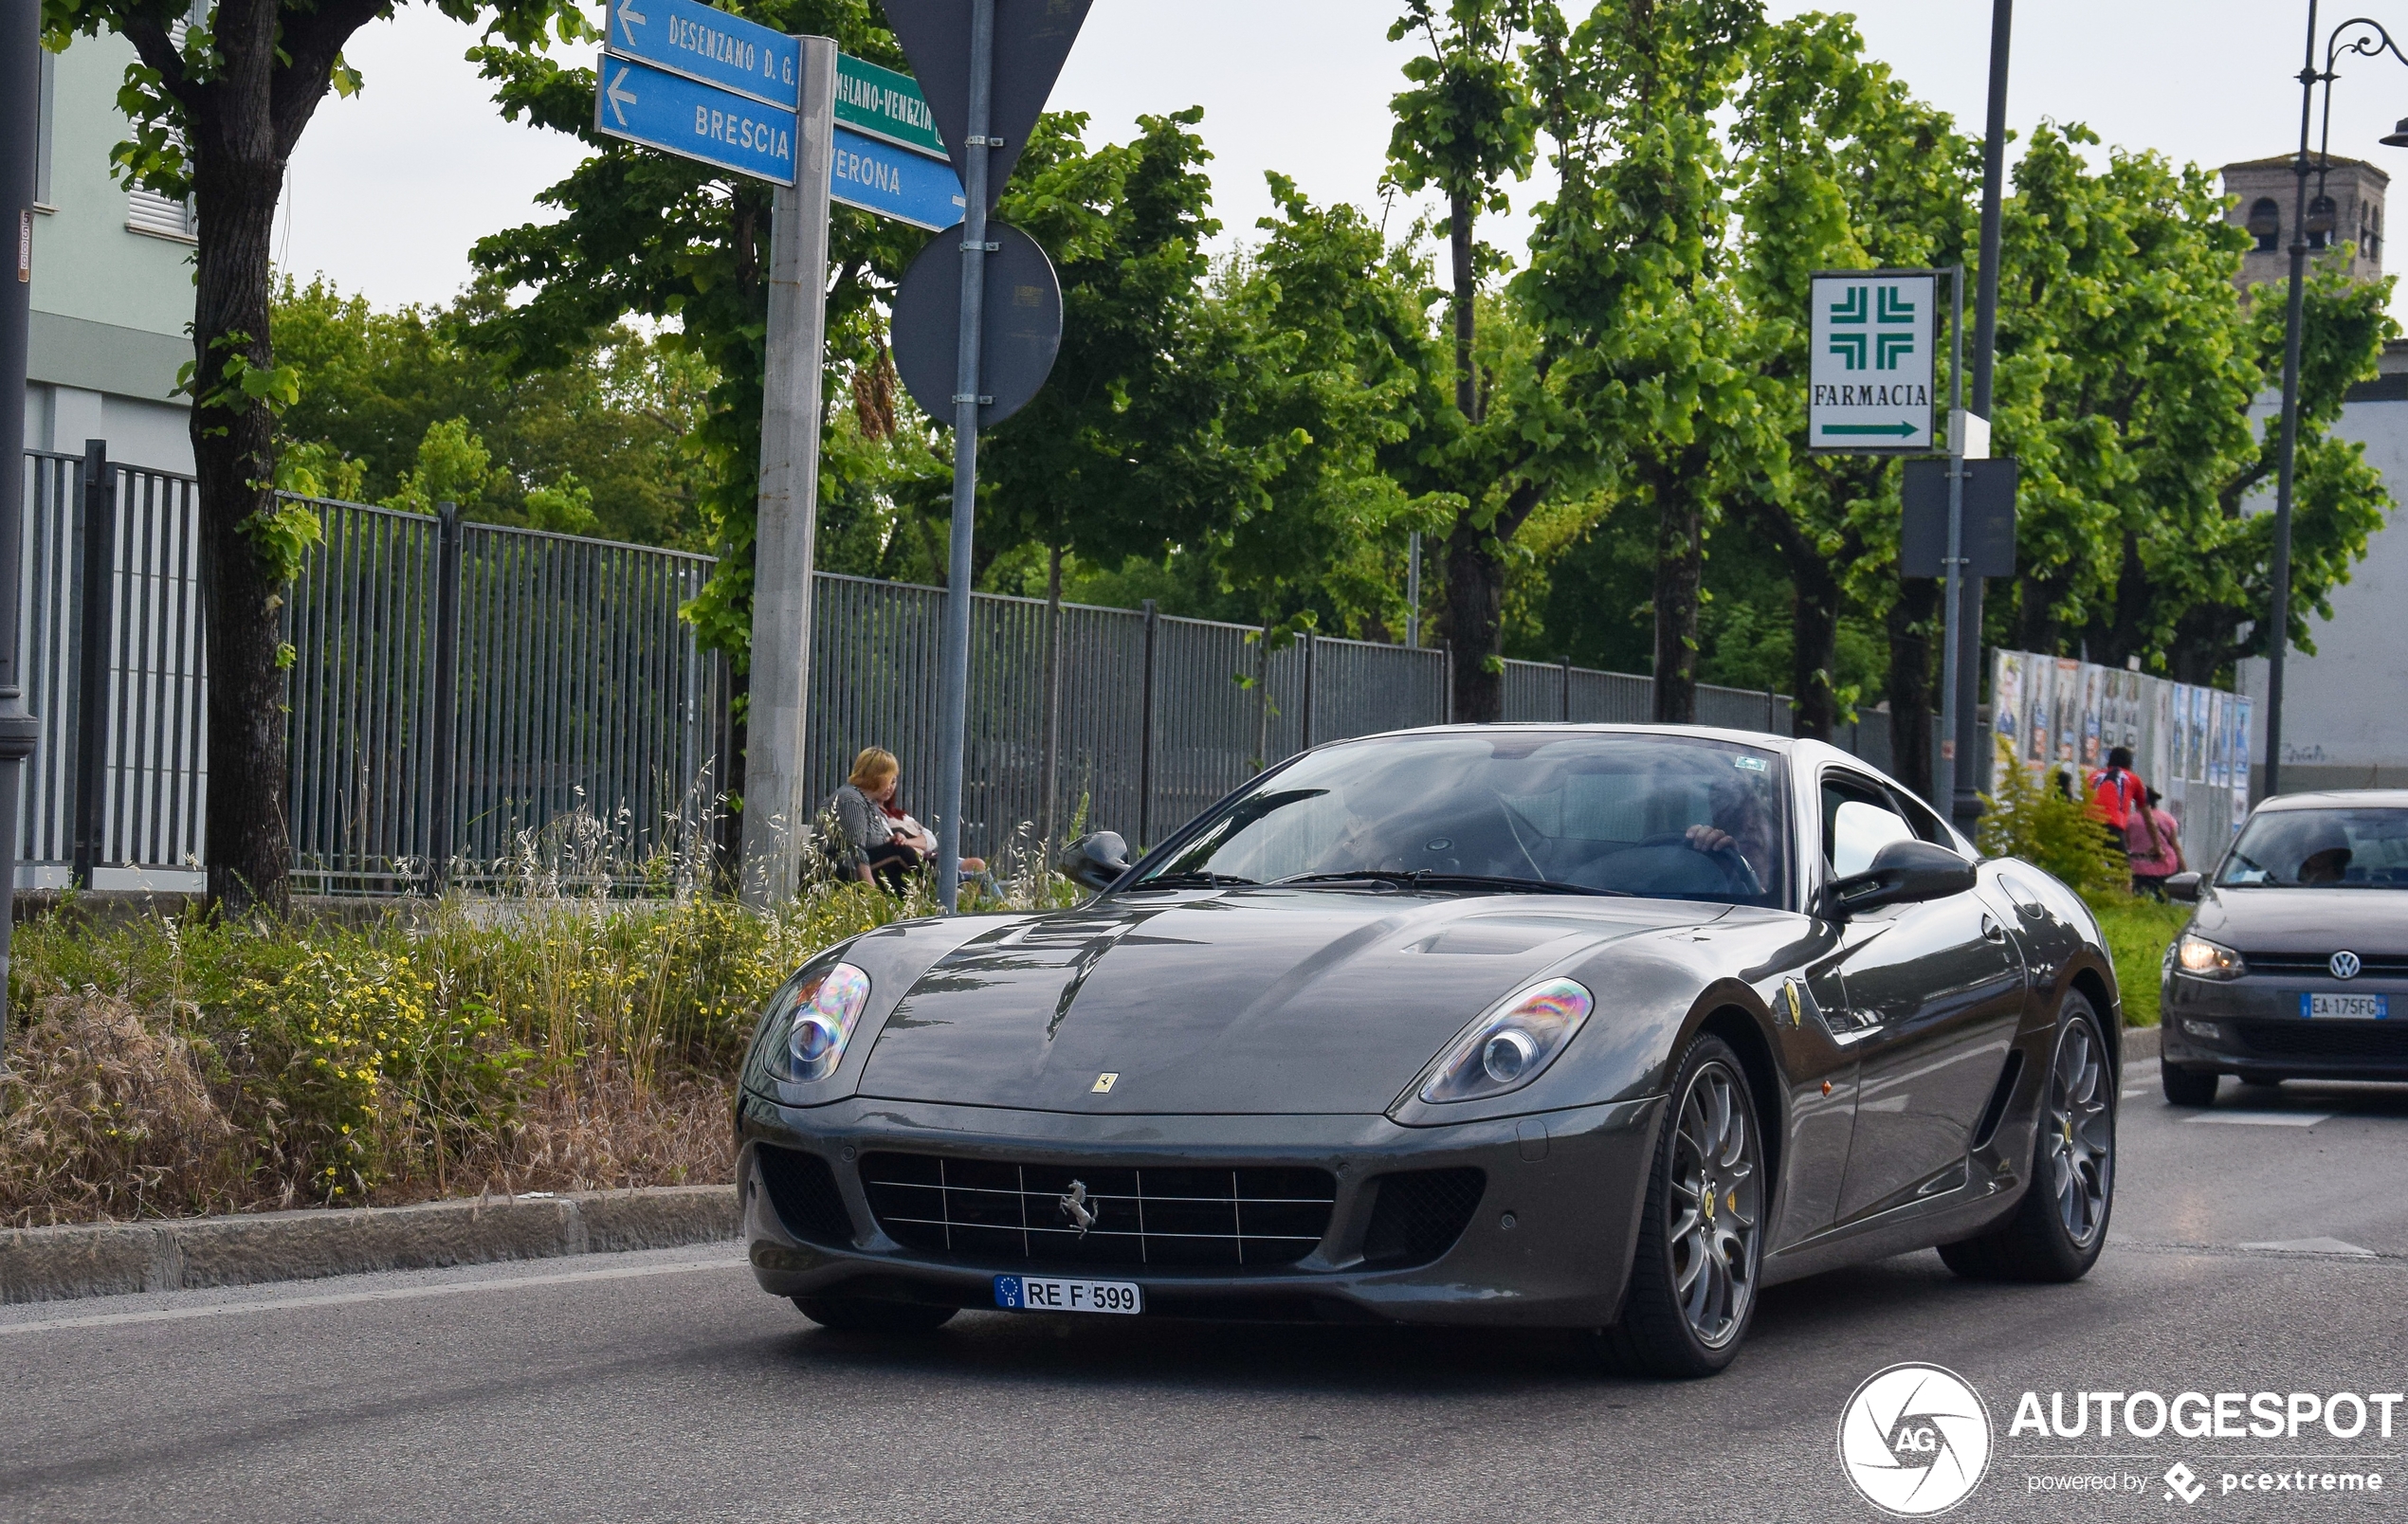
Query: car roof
column 2330, row 798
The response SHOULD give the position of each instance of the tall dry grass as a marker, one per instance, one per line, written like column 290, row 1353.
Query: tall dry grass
column 544, row 1035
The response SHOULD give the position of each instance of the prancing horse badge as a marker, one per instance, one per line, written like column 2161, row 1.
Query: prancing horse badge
column 1104, row 1084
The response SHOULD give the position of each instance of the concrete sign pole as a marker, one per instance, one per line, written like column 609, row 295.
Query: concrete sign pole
column 20, row 126
column 954, row 708
column 777, row 812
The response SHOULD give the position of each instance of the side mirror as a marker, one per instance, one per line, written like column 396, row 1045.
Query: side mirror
column 1096, row 860
column 2183, row 887
column 1903, row 873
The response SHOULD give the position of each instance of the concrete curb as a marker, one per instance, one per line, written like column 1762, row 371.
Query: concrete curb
column 183, row 1254
column 2142, row 1043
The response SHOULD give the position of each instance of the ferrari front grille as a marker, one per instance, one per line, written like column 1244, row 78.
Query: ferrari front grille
column 1194, row 1216
column 2322, row 1040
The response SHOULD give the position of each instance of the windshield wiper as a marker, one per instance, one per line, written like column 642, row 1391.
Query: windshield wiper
column 1427, row 879
column 1194, row 878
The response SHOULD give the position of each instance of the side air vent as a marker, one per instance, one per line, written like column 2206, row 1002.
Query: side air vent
column 2001, row 1094
column 1418, row 1216
column 803, row 1190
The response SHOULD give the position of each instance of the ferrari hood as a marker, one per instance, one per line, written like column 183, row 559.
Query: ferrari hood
column 1246, row 1000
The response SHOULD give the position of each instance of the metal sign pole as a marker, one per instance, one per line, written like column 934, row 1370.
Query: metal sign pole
column 953, row 706
column 20, row 126
column 1943, row 777
column 776, row 807
column 1964, row 804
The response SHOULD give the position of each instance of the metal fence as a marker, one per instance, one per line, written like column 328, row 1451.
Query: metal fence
column 1158, row 717
column 111, row 557
column 460, row 686
column 456, row 686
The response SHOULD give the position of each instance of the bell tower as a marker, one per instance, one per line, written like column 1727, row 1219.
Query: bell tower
column 2345, row 216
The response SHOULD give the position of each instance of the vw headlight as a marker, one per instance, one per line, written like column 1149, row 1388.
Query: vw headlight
column 1511, row 1045
column 2204, row 959
column 820, row 1012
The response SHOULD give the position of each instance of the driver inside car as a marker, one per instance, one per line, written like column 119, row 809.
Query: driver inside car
column 1740, row 820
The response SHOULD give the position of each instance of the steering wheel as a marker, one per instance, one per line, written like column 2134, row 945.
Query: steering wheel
column 1727, row 857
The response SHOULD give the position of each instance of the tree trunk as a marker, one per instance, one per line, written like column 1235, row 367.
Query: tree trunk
column 1475, row 624
column 1460, row 216
column 1814, row 639
column 1909, row 683
column 1680, row 572
column 238, row 175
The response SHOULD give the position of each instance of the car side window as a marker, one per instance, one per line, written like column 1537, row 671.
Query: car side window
column 1926, row 823
column 1858, row 821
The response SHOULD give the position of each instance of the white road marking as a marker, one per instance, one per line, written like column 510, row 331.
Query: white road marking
column 345, row 1298
column 2135, row 1090
column 2315, row 1245
column 2266, row 1118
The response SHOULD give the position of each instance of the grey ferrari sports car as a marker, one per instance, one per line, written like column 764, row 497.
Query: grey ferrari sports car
column 1593, row 1027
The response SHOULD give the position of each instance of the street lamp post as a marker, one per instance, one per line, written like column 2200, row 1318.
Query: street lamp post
column 2369, row 43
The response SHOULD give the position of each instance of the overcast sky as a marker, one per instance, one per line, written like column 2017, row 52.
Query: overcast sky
column 390, row 188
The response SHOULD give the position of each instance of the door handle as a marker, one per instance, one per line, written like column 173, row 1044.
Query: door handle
column 1992, row 931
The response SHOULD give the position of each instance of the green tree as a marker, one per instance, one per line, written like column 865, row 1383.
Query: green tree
column 1643, row 337
column 219, row 97
column 1838, row 168
column 1465, row 126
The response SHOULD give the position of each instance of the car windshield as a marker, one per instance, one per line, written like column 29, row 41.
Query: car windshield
column 2320, row 849
column 1669, row 817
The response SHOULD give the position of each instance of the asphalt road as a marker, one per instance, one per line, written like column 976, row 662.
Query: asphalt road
column 666, row 1387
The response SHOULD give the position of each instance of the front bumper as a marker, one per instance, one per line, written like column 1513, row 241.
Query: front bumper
column 2253, row 1026
column 1549, row 1246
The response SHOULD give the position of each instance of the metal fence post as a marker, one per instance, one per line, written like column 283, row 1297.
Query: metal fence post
column 1567, row 690
column 444, row 767
column 1312, row 654
column 97, row 547
column 1145, row 732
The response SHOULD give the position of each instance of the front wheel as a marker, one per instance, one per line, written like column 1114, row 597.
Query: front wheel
column 2057, row 1231
column 858, row 1314
column 1701, row 1234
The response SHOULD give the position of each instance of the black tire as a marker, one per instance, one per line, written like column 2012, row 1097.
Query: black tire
column 856, row 1315
column 2053, row 1235
column 1707, row 1189
column 2188, row 1087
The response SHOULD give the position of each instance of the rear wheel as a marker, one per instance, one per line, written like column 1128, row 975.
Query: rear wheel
column 2057, row 1231
column 856, row 1315
column 1692, row 1290
column 2188, row 1087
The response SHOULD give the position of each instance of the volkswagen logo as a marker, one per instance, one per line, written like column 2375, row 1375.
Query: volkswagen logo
column 1915, row 1440
column 2346, row 966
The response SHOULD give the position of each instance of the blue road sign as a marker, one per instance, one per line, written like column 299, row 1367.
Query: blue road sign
column 705, row 44
column 667, row 111
column 895, row 182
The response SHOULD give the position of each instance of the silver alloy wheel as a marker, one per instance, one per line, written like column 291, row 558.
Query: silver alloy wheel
column 1716, row 1203
column 2080, row 1133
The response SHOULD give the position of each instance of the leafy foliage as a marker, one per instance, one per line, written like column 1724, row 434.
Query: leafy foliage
column 2051, row 829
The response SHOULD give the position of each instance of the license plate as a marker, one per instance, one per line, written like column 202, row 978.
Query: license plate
column 2353, row 1007
column 1045, row 1293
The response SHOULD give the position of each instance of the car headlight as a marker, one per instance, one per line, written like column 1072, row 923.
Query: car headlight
column 819, row 1014
column 2198, row 956
column 1511, row 1045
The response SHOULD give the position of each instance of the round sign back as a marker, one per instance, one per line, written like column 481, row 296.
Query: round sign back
column 1023, row 324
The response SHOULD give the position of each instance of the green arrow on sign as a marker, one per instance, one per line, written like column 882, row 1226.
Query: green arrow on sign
column 1893, row 430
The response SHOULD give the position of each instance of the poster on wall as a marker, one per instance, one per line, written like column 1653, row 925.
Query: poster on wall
column 2006, row 703
column 2093, row 715
column 2240, row 708
column 2219, row 772
column 2066, row 736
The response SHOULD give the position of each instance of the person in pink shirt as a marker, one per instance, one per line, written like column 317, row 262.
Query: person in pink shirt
column 2153, row 839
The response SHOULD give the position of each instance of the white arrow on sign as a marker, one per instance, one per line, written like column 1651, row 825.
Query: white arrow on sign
column 628, row 13
column 620, row 100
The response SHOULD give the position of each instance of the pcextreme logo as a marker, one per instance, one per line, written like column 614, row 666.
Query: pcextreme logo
column 1915, row 1440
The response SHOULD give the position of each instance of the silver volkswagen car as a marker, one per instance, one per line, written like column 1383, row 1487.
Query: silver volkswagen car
column 2291, row 966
